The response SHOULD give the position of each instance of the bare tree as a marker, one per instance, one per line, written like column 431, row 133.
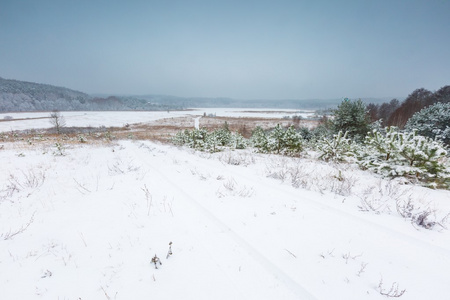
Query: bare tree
column 57, row 120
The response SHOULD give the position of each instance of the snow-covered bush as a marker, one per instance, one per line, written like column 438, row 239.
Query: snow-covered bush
column 433, row 122
column 338, row 149
column 406, row 154
column 280, row 141
column 214, row 141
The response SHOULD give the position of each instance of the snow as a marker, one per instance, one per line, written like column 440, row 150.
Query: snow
column 87, row 224
column 35, row 120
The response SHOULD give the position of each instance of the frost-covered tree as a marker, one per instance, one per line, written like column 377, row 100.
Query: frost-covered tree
column 433, row 122
column 351, row 117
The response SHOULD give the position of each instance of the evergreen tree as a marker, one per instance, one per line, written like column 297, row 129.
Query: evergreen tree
column 276, row 139
column 292, row 141
column 259, row 140
column 433, row 122
column 352, row 117
column 238, row 141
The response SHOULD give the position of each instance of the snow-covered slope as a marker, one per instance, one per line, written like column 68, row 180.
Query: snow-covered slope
column 86, row 225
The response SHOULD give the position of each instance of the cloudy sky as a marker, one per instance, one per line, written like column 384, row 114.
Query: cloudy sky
column 240, row 49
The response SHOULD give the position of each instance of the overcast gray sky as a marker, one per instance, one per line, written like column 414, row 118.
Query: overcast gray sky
column 240, row 49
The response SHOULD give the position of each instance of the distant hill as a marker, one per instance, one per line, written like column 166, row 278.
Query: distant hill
column 18, row 95
column 312, row 104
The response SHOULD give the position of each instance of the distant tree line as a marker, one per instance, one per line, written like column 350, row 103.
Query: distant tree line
column 397, row 114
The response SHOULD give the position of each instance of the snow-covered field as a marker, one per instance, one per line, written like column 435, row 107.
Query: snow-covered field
column 87, row 224
column 34, row 120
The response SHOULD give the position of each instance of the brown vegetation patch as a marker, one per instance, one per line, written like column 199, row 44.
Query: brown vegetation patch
column 160, row 130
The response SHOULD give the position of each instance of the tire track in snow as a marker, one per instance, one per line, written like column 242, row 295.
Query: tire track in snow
column 272, row 269
column 358, row 220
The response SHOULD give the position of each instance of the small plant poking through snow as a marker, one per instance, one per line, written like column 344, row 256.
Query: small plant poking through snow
column 60, row 149
column 393, row 292
column 156, row 261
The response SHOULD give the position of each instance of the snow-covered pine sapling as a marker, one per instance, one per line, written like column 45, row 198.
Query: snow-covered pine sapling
column 406, row 154
column 60, row 150
column 169, row 253
column 82, row 138
column 259, row 140
column 156, row 261
column 337, row 149
column 238, row 141
column 276, row 143
column 292, row 141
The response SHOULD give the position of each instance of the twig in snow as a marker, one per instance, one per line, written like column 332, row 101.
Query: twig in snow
column 106, row 294
column 10, row 234
column 81, row 186
column 148, row 198
column 361, row 270
column 290, row 253
column 169, row 253
column 82, row 237
column 347, row 256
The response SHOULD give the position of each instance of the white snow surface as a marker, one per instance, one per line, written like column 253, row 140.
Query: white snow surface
column 35, row 120
column 87, row 224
